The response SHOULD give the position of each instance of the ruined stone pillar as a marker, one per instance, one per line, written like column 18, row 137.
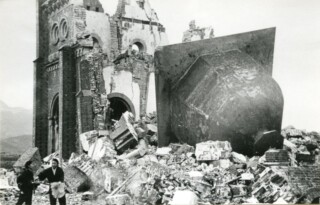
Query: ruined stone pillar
column 67, row 103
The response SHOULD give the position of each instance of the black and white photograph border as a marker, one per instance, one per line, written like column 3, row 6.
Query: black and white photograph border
column 159, row 102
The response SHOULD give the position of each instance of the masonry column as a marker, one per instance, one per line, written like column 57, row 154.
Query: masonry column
column 83, row 96
column 40, row 108
column 67, row 103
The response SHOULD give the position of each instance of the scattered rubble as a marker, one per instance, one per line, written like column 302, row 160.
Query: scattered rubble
column 209, row 173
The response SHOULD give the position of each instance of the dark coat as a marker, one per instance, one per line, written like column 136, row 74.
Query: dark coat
column 48, row 174
column 24, row 180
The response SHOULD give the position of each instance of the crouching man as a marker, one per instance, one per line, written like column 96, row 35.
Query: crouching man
column 54, row 174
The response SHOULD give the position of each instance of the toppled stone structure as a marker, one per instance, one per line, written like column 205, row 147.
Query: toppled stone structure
column 220, row 89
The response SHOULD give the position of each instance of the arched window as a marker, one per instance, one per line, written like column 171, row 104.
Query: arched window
column 64, row 30
column 53, row 137
column 55, row 34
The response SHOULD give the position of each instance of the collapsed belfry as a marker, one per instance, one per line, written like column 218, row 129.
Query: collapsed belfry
column 87, row 59
column 220, row 89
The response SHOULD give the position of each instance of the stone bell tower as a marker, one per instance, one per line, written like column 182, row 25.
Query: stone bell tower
column 83, row 58
column 62, row 25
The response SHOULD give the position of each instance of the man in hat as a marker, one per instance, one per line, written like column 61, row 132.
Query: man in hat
column 54, row 174
column 25, row 185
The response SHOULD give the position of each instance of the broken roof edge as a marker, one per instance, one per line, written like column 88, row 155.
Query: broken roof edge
column 132, row 11
column 259, row 44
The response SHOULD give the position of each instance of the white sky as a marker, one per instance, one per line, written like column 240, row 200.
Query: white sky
column 296, row 58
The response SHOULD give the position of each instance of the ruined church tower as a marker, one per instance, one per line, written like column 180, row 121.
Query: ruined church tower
column 85, row 56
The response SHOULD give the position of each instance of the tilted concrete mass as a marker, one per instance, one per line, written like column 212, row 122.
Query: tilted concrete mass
column 85, row 57
column 220, row 89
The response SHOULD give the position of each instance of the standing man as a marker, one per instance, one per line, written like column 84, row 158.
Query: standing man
column 25, row 185
column 54, row 174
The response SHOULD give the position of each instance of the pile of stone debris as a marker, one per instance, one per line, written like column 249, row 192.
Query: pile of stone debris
column 125, row 166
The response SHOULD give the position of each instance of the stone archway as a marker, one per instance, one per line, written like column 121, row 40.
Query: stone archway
column 53, row 119
column 139, row 45
column 119, row 104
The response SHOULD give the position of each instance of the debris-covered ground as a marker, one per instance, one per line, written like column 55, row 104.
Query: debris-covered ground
column 125, row 166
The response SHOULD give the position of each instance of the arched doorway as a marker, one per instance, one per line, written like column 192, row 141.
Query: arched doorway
column 119, row 104
column 53, row 138
column 138, row 46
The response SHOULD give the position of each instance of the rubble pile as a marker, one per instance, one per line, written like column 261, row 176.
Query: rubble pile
column 209, row 173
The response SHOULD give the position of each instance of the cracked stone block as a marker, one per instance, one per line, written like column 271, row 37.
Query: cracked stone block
column 213, row 150
column 75, row 179
column 119, row 199
column 124, row 134
column 277, row 157
column 32, row 154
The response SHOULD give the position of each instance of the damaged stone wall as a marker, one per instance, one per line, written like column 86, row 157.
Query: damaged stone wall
column 138, row 23
column 90, row 87
column 195, row 33
column 135, row 71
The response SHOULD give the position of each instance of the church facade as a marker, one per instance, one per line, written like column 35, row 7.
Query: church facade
column 87, row 60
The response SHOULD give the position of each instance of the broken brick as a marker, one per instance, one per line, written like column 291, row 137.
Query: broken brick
column 86, row 138
column 86, row 196
column 294, row 133
column 151, row 129
column 305, row 158
column 277, row 157
column 239, row 190
column 238, row 158
column 213, row 150
column 119, row 199
column 101, row 147
column 75, row 179
column 247, row 176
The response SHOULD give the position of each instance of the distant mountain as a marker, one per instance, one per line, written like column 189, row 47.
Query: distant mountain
column 14, row 121
column 16, row 145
